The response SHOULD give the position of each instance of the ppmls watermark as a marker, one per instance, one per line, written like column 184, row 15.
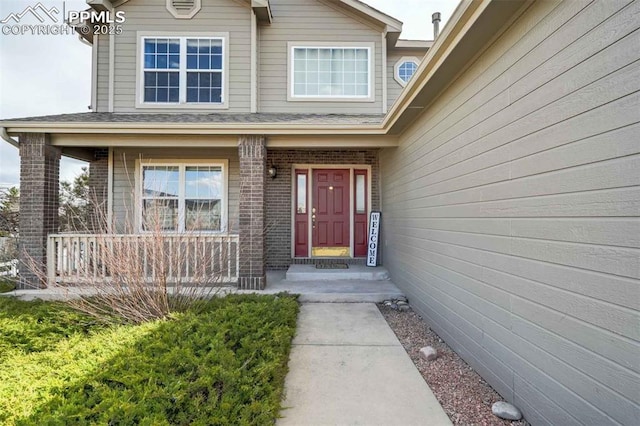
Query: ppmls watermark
column 40, row 20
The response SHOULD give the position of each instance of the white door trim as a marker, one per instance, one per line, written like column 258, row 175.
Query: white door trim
column 310, row 168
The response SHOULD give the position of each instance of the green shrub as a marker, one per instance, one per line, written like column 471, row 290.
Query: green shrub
column 6, row 285
column 224, row 363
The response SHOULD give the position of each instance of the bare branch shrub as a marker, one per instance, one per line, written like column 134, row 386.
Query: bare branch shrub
column 135, row 276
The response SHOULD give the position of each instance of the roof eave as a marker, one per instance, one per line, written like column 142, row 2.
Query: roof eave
column 402, row 44
column 469, row 30
column 392, row 24
column 262, row 9
column 15, row 128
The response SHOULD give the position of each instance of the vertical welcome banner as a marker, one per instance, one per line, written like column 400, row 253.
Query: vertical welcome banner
column 374, row 236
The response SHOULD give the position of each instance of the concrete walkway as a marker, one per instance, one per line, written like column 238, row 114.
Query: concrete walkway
column 348, row 368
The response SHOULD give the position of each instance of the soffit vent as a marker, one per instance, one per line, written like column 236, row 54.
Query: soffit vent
column 183, row 9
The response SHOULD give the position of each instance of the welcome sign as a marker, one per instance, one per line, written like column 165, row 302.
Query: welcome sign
column 374, row 236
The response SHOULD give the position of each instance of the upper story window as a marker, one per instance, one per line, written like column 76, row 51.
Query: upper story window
column 331, row 73
column 404, row 69
column 183, row 72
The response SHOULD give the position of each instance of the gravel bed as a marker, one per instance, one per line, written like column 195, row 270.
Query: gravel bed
column 464, row 395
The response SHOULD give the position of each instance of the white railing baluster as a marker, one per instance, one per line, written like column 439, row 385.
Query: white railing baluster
column 81, row 258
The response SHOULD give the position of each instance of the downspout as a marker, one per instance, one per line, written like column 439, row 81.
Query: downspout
column 84, row 41
column 94, row 74
column 5, row 136
column 254, row 62
column 384, row 72
column 112, row 70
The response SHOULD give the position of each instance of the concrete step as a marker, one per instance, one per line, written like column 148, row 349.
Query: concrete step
column 354, row 272
column 339, row 291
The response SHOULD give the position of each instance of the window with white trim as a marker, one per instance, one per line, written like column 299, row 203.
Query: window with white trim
column 178, row 197
column 183, row 70
column 404, row 69
column 330, row 72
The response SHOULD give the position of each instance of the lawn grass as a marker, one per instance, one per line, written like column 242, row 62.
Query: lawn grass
column 222, row 364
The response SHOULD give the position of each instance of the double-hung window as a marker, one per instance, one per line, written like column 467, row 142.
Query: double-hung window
column 320, row 72
column 182, row 71
column 178, row 197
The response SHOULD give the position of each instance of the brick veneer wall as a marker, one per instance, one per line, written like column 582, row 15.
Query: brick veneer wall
column 278, row 194
column 98, row 179
column 39, row 186
column 251, row 219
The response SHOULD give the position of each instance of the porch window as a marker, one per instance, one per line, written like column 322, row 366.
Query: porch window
column 183, row 71
column 331, row 73
column 183, row 197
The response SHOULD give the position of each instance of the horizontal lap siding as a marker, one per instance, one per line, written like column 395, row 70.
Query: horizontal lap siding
column 311, row 21
column 102, row 94
column 393, row 87
column 511, row 213
column 215, row 16
column 124, row 178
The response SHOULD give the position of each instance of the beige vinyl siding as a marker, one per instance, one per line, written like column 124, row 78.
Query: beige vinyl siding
column 510, row 213
column 310, row 21
column 393, row 87
column 215, row 16
column 124, row 178
column 102, row 94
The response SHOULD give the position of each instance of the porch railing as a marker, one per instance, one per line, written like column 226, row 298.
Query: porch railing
column 9, row 269
column 83, row 258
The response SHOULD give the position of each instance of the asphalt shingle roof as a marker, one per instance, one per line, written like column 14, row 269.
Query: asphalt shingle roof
column 217, row 118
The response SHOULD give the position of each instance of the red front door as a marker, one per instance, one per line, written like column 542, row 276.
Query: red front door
column 330, row 213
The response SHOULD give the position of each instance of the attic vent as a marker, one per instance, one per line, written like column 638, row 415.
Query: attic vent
column 183, row 5
column 183, row 9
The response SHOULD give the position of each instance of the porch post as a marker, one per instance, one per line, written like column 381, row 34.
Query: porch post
column 253, row 154
column 98, row 178
column 39, row 186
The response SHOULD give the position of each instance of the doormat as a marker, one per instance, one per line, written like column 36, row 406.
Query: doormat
column 332, row 266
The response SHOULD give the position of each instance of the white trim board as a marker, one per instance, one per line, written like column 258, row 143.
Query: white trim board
column 310, row 168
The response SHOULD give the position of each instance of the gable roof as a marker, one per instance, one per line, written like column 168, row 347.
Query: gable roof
column 392, row 26
column 473, row 25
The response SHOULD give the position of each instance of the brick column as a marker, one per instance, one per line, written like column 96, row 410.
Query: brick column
column 39, row 186
column 98, row 178
column 253, row 156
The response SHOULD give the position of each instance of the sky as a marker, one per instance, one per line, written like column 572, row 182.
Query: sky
column 51, row 74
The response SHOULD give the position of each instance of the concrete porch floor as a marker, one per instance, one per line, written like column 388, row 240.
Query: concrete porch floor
column 314, row 290
column 333, row 291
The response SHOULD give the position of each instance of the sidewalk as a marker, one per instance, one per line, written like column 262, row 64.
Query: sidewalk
column 347, row 367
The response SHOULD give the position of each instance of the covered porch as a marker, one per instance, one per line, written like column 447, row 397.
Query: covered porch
column 258, row 211
column 217, row 234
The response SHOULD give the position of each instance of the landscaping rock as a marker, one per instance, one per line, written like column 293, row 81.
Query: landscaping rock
column 507, row 411
column 428, row 353
column 399, row 304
